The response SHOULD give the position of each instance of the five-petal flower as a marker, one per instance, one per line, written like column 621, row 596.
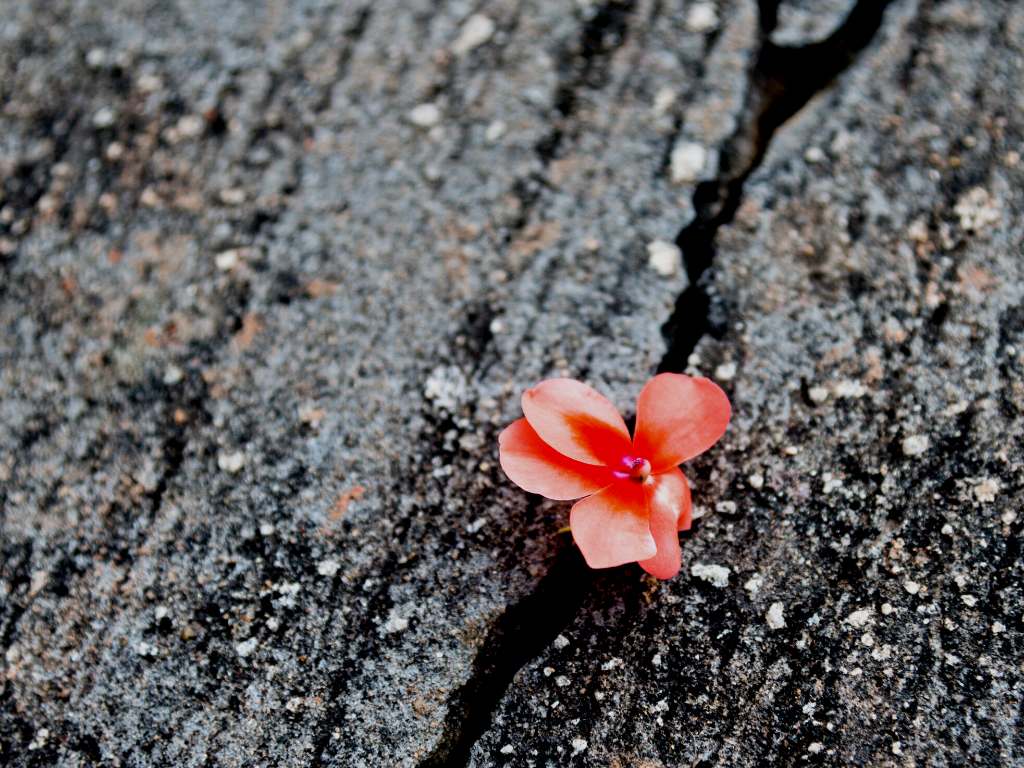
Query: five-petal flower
column 573, row 442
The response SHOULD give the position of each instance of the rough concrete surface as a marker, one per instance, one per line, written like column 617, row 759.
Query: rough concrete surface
column 275, row 274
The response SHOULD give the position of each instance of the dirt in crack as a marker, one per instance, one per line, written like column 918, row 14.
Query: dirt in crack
column 783, row 81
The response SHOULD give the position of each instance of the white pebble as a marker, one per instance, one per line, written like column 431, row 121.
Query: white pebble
column 703, row 17
column 508, row 749
column 476, row 525
column 226, row 261
column 859, row 618
column 246, row 648
column 561, row 681
column 477, row 30
column 395, row 624
column 774, row 616
column 232, row 196
column 687, row 161
column 561, row 641
column 663, row 100
column 716, row 575
column 850, row 388
column 818, row 395
column 887, row 608
column 998, row 627
column 495, row 131
column 754, row 585
column 1008, row 517
column 266, row 529
column 726, row 507
column 191, row 126
column 664, row 258
column 173, row 375
column 549, row 671
column 231, row 462
column 947, row 530
column 104, row 118
column 969, row 600
column 425, row 115
column 912, row 587
column 96, row 58
column 656, row 660
column 815, row 747
column 725, row 372
column 814, row 155
column 328, row 567
column 915, row 445
column 756, row 481
column 986, row 490
column 867, row 639
column 578, row 745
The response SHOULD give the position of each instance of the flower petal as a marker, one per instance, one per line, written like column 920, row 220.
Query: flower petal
column 677, row 418
column 536, row 467
column 611, row 527
column 578, row 422
column 668, row 505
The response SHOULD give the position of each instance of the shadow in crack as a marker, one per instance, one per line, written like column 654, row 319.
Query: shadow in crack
column 782, row 82
column 522, row 633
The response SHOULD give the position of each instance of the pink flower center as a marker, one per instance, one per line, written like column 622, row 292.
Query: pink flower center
column 640, row 470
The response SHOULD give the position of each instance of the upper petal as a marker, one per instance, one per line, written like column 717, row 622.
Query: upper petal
column 578, row 422
column 611, row 527
column 536, row 467
column 678, row 417
column 668, row 504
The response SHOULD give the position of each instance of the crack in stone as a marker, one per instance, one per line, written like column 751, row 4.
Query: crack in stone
column 782, row 81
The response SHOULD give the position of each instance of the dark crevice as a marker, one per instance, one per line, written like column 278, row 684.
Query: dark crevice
column 522, row 633
column 783, row 80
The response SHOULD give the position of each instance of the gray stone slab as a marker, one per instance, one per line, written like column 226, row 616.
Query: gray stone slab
column 866, row 498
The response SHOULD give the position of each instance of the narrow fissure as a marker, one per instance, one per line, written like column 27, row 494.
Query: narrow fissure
column 783, row 80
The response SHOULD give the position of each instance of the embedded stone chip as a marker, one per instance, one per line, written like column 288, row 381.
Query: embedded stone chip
column 687, row 161
column 774, row 616
column 915, row 445
column 716, row 575
column 664, row 258
column 425, row 115
column 476, row 31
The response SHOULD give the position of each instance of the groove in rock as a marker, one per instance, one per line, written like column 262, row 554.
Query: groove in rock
column 783, row 80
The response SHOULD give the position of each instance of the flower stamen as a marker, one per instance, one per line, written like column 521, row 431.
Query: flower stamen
column 640, row 470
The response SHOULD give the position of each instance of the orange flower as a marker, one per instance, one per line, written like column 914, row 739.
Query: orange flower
column 574, row 443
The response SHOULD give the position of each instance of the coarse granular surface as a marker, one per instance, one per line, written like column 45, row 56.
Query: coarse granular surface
column 274, row 276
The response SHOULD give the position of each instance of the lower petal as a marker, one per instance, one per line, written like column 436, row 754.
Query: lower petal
column 668, row 503
column 611, row 528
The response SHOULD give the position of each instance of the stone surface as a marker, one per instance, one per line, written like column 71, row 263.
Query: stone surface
column 259, row 330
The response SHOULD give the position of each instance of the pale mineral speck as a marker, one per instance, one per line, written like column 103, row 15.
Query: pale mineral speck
column 753, row 585
column 226, row 260
column 716, row 575
column 726, row 371
column 818, row 394
column 104, row 117
column 977, row 210
column 232, row 196
column 815, row 747
column 867, row 639
column 998, row 627
column 495, row 131
column 656, row 660
column 726, row 507
column 814, row 155
column 774, row 617
column 703, row 17
column 508, row 749
column 561, row 641
column 664, row 258
column 850, row 388
column 173, row 375
column 612, row 664
column 756, row 480
column 915, row 445
column 887, row 609
column 328, row 567
column 969, row 600
column 266, row 529
column 687, row 161
column 476, row 31
column 245, row 648
column 476, row 525
column 231, row 462
column 947, row 530
column 395, row 624
column 425, row 115
column 561, row 681
column 912, row 587
column 859, row 618
column 986, row 490
column 549, row 671
column 1008, row 517
column 663, row 100
column 578, row 745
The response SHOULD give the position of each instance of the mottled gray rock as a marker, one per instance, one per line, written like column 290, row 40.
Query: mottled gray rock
column 805, row 22
column 275, row 276
column 866, row 498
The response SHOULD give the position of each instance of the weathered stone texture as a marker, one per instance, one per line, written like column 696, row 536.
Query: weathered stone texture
column 274, row 277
